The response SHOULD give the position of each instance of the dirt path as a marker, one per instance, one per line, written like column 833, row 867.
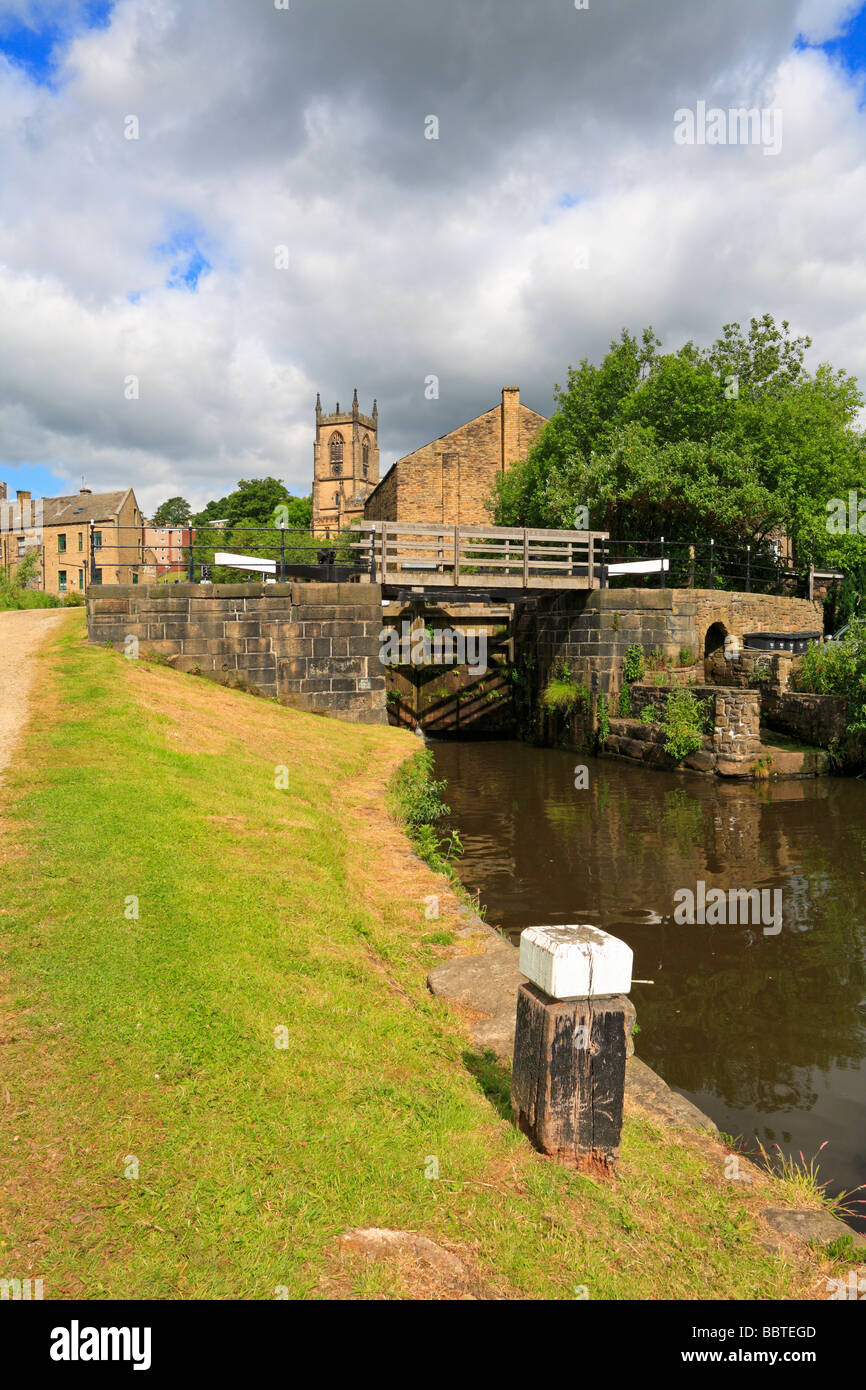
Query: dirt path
column 21, row 632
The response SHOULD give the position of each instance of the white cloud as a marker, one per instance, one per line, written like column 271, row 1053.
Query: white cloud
column 407, row 257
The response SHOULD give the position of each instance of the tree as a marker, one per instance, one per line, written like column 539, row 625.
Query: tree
column 738, row 442
column 176, row 511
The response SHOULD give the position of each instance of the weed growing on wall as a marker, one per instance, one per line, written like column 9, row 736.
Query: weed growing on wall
column 684, row 723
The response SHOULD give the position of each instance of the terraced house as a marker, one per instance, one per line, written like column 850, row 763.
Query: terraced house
column 61, row 535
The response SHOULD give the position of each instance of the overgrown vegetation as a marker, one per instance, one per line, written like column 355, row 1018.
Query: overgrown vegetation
column 15, row 590
column 603, row 716
column 684, row 722
column 563, row 693
column 415, row 799
column 839, row 668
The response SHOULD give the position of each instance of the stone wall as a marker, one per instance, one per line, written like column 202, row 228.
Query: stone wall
column 730, row 750
column 816, row 719
column 592, row 631
column 312, row 646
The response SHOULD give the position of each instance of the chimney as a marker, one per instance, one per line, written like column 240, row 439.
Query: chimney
column 510, row 425
column 22, row 496
column 2, row 492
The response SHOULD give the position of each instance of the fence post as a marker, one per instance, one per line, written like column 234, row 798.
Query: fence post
column 570, row 1043
column 191, row 570
column 282, row 552
column 712, row 558
column 456, row 556
column 748, row 569
column 662, row 581
column 603, row 565
column 525, row 558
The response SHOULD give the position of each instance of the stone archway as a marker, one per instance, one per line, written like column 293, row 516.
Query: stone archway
column 714, row 644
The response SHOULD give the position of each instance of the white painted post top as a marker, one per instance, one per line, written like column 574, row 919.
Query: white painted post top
column 575, row 962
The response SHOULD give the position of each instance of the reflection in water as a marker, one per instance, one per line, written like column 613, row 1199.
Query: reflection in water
column 765, row 1032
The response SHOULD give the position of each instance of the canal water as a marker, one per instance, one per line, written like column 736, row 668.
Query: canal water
column 764, row 1029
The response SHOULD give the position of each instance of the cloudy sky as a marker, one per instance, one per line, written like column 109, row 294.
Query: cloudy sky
column 282, row 223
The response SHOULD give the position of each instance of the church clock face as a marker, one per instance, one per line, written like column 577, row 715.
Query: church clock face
column 336, row 468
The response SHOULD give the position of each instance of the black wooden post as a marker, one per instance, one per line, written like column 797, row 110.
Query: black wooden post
column 191, row 569
column 748, row 569
column 282, row 552
column 571, row 1042
column 662, row 580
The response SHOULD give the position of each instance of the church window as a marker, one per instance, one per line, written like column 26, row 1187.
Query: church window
column 365, row 456
column 336, row 454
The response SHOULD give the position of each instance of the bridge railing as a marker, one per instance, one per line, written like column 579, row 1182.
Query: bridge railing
column 482, row 556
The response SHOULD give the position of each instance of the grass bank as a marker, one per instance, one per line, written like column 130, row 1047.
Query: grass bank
column 220, row 1053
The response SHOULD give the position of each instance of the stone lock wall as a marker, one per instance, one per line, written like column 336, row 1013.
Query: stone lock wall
column 736, row 723
column 312, row 646
column 592, row 631
column 816, row 719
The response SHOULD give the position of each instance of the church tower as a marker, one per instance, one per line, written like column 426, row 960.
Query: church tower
column 345, row 465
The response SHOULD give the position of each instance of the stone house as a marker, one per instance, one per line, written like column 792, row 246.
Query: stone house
column 59, row 529
column 450, row 480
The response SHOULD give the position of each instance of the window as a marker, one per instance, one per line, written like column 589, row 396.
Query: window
column 97, row 540
column 61, row 581
column 22, row 546
column 80, row 541
column 336, row 499
column 81, row 579
column 365, row 455
column 61, row 544
column 97, row 576
column 336, row 454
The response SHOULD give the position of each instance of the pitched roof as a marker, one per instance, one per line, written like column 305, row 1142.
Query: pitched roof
column 81, row 508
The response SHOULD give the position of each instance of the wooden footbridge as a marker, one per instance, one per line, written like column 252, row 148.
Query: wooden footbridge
column 417, row 557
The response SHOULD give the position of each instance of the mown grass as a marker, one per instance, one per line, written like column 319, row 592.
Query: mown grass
column 155, row 1038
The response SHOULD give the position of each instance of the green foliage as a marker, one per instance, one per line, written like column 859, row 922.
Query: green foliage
column 256, row 505
column 14, row 587
column 733, row 442
column 603, row 714
column 563, row 693
column 633, row 666
column 684, row 722
column 415, row 798
column 647, row 715
column 175, row 511
column 687, row 656
column 839, row 668
column 623, row 707
column 74, row 598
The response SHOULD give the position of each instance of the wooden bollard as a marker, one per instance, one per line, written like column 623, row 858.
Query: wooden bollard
column 570, row 1042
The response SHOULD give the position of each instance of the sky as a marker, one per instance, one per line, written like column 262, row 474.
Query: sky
column 212, row 209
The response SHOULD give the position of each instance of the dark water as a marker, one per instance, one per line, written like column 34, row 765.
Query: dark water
column 766, row 1033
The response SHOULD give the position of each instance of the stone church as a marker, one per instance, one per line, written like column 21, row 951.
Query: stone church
column 446, row 482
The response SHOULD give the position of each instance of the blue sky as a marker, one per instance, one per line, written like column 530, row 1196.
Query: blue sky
column 850, row 47
column 35, row 49
column 38, row 480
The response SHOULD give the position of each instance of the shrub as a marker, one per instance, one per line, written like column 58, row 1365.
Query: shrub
column 634, row 665
column 839, row 668
column 687, row 657
column 562, row 692
column 623, row 708
column 74, row 599
column 683, row 721
column 647, row 715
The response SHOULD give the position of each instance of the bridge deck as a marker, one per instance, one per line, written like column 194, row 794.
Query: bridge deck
column 481, row 557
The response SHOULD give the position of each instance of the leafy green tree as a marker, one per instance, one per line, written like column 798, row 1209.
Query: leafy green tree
column 176, row 511
column 738, row 442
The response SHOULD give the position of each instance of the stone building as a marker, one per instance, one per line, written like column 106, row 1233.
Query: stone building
column 58, row 528
column 345, row 465
column 450, row 480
